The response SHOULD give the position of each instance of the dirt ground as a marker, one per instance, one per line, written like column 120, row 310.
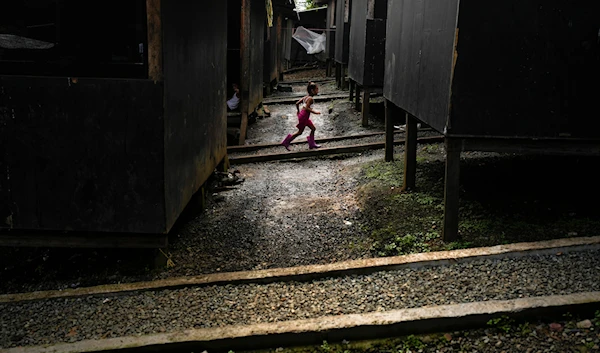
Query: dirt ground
column 334, row 208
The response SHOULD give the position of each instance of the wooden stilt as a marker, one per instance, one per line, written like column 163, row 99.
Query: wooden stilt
column 451, row 189
column 344, row 83
column 357, row 102
column 338, row 70
column 351, row 89
column 223, row 166
column 243, row 127
column 366, row 104
column 389, row 132
column 410, row 153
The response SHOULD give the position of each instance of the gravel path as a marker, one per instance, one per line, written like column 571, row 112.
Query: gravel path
column 70, row 320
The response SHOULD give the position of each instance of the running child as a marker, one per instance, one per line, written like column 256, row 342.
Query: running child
column 304, row 118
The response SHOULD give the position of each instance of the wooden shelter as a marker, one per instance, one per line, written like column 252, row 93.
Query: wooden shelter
column 105, row 136
column 330, row 24
column 507, row 76
column 367, row 50
column 275, row 40
column 245, row 56
column 342, row 39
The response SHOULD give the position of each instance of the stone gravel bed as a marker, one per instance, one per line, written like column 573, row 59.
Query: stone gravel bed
column 70, row 320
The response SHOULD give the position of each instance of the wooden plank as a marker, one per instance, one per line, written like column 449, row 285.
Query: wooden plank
column 83, row 240
column 155, row 49
column 323, row 151
column 366, row 103
column 550, row 146
column 248, row 148
column 317, row 98
column 389, row 132
column 451, row 190
column 317, row 80
column 410, row 153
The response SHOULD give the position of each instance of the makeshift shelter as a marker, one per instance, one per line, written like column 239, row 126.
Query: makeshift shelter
column 107, row 135
column 342, row 39
column 367, row 50
column 508, row 76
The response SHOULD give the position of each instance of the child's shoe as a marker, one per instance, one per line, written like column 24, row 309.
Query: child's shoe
column 311, row 142
column 286, row 142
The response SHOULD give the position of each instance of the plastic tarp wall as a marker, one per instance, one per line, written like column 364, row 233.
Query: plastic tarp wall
column 314, row 43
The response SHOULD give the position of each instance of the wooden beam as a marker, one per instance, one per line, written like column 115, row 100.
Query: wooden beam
column 532, row 145
column 389, row 132
column 357, row 102
column 53, row 239
column 352, row 84
column 321, row 151
column 410, row 154
column 293, row 99
column 243, row 128
column 451, row 189
column 366, row 104
column 249, row 148
column 154, row 50
column 244, row 68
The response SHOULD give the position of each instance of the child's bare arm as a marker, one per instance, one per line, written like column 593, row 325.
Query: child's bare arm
column 298, row 104
column 309, row 104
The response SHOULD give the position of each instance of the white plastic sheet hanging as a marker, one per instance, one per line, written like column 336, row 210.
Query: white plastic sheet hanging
column 311, row 41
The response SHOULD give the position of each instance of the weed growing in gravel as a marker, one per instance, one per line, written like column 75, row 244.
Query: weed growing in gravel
column 502, row 323
column 525, row 329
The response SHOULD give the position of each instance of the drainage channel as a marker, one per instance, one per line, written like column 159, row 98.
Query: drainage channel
column 352, row 300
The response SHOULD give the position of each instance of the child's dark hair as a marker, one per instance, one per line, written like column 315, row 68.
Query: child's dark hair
column 311, row 87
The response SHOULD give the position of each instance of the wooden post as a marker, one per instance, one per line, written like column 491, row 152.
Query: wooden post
column 357, row 102
column 389, row 132
column 344, row 85
column 351, row 90
column 338, row 69
column 410, row 154
column 154, row 50
column 366, row 104
column 244, row 68
column 451, row 189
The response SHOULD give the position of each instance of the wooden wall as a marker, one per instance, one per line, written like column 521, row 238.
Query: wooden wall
column 342, row 30
column 195, row 50
column 510, row 69
column 418, row 57
column 81, row 154
column 527, row 69
column 253, row 27
column 331, row 30
column 271, row 55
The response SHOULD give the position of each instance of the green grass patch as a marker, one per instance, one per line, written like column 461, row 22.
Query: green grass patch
column 503, row 199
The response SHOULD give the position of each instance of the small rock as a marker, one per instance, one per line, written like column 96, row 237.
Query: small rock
column 448, row 337
column 499, row 343
column 556, row 327
column 584, row 324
